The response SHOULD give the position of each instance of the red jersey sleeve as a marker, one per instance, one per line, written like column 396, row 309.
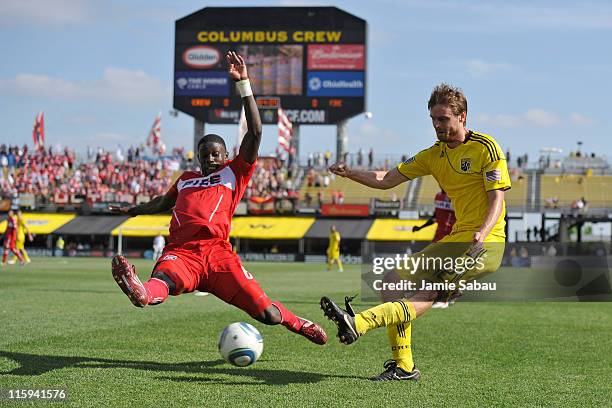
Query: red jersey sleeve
column 173, row 191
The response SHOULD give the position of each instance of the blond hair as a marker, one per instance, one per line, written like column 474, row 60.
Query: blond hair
column 445, row 94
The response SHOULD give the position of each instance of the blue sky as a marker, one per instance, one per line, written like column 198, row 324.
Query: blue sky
column 536, row 73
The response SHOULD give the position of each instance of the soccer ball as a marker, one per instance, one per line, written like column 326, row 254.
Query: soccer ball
column 240, row 344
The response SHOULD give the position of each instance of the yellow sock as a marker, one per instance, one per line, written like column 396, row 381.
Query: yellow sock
column 401, row 349
column 340, row 264
column 386, row 314
column 25, row 255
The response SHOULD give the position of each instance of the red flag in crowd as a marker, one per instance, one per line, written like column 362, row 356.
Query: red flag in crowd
column 285, row 129
column 38, row 133
column 154, row 138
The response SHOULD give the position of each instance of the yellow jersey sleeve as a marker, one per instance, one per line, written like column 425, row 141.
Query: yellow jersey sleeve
column 496, row 176
column 494, row 166
column 416, row 166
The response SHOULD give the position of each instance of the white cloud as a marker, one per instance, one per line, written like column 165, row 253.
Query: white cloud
column 45, row 12
column 533, row 118
column 479, row 68
column 542, row 118
column 580, row 120
column 117, row 85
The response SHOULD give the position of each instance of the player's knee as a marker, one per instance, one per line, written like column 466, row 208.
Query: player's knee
column 270, row 316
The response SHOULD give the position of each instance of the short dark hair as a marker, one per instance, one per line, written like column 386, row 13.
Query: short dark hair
column 445, row 94
column 212, row 138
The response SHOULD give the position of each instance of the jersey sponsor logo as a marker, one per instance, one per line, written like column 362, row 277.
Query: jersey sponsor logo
column 444, row 205
column 247, row 274
column 409, row 160
column 493, row 175
column 466, row 164
column 169, row 258
column 225, row 177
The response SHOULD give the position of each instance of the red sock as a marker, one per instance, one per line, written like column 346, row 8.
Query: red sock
column 4, row 255
column 289, row 320
column 17, row 253
column 157, row 290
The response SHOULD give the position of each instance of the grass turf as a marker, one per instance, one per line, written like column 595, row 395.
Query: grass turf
column 65, row 323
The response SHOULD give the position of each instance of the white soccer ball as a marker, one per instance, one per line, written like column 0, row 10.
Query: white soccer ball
column 240, row 344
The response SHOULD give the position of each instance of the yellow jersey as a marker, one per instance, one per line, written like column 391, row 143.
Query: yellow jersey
column 465, row 173
column 21, row 229
column 334, row 240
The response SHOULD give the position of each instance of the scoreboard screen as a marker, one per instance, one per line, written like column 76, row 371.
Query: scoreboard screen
column 309, row 61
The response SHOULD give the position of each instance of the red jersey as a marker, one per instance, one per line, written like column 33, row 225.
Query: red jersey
column 11, row 226
column 445, row 216
column 205, row 204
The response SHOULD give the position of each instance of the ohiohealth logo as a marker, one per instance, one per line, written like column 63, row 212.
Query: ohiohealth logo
column 336, row 83
column 342, row 84
column 315, row 83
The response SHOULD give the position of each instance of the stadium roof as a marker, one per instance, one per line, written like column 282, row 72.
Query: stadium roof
column 349, row 229
column 91, row 225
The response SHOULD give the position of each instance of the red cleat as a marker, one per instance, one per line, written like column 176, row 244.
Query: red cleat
column 312, row 332
column 126, row 278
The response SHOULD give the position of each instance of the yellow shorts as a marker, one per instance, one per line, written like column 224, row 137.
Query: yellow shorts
column 333, row 254
column 455, row 258
column 20, row 244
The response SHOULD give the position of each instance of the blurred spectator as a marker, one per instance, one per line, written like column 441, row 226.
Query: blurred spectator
column 551, row 202
column 328, row 155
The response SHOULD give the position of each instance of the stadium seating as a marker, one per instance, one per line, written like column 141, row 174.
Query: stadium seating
column 354, row 193
column 597, row 190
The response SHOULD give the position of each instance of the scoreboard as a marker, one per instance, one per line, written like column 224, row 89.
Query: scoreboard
column 309, row 61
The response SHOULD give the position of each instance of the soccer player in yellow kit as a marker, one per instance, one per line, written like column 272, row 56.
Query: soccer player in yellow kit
column 472, row 169
column 333, row 250
column 22, row 230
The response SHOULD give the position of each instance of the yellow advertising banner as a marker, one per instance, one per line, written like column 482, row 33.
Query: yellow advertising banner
column 144, row 226
column 400, row 230
column 40, row 223
column 270, row 227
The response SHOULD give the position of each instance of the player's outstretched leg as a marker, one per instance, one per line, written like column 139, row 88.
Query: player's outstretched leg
column 345, row 320
column 128, row 281
column 152, row 292
column 299, row 325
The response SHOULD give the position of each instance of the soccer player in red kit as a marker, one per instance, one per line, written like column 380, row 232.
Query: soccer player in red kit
column 198, row 255
column 10, row 237
column 444, row 216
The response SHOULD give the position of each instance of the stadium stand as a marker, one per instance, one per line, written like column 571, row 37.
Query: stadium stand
column 567, row 189
column 352, row 192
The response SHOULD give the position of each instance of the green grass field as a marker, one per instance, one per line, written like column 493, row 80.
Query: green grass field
column 65, row 323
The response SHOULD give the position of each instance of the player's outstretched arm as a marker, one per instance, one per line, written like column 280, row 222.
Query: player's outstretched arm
column 429, row 222
column 371, row 179
column 159, row 204
column 238, row 72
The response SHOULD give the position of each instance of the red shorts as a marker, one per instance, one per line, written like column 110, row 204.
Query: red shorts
column 211, row 266
column 9, row 241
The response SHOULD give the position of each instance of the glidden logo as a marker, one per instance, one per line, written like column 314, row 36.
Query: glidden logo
column 201, row 57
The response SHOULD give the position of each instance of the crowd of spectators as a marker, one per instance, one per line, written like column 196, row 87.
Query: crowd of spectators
column 271, row 181
column 55, row 176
